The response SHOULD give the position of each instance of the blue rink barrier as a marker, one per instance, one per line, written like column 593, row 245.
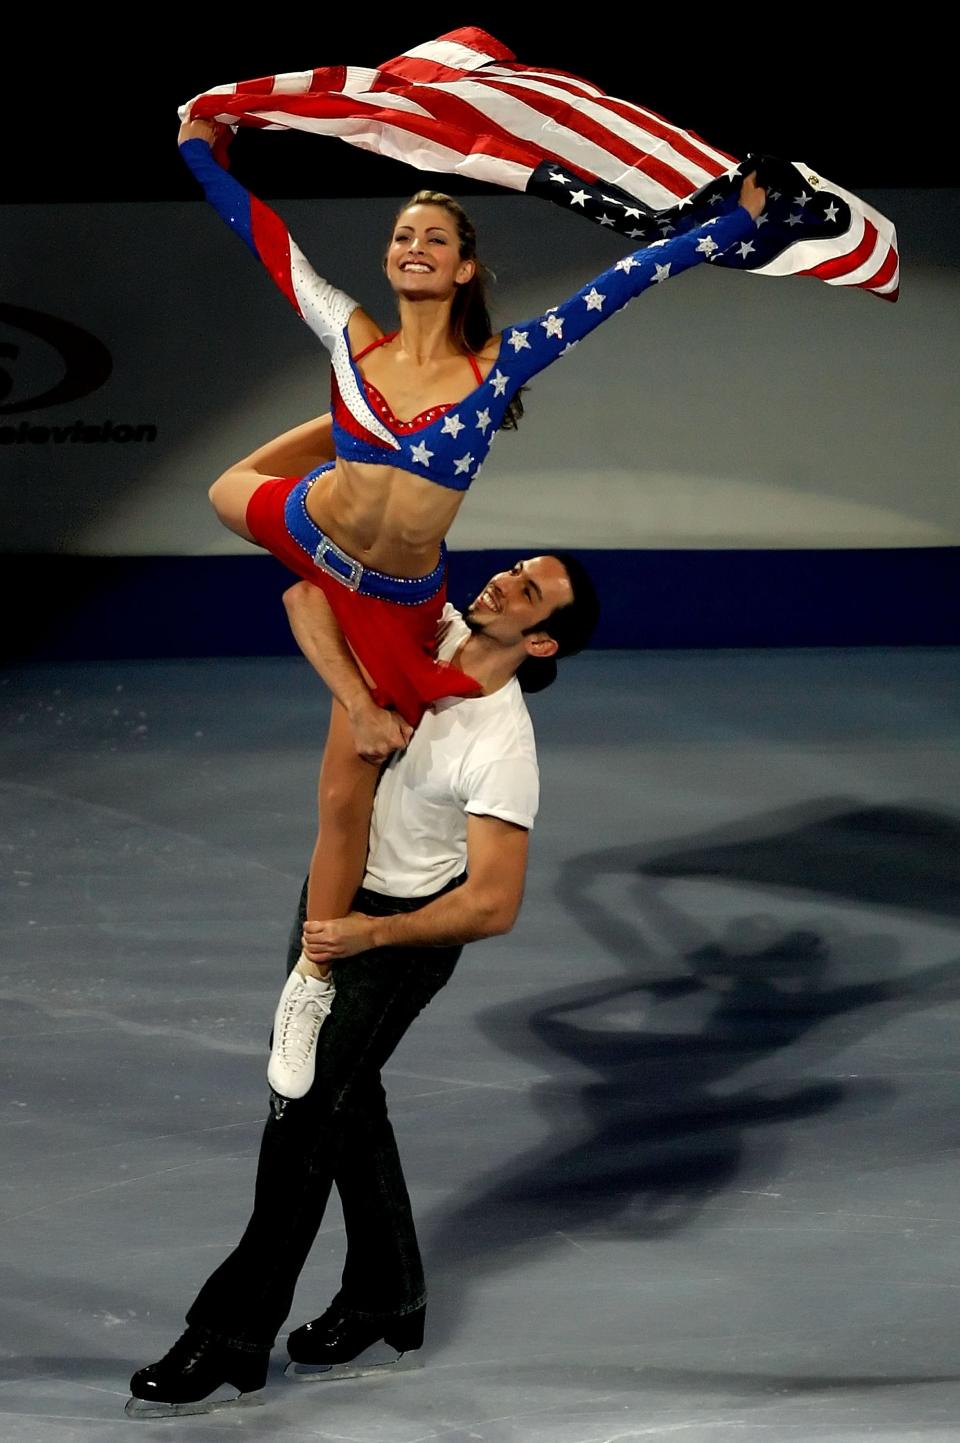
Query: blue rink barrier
column 80, row 607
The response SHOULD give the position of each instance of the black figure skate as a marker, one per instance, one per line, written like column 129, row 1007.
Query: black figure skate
column 198, row 1375
column 338, row 1346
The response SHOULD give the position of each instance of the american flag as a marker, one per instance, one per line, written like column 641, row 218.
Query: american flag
column 463, row 104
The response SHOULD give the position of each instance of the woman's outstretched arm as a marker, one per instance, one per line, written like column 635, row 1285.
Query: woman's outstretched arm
column 326, row 310
column 531, row 346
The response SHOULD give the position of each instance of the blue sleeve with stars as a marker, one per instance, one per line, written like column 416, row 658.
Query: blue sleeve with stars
column 533, row 345
column 452, row 448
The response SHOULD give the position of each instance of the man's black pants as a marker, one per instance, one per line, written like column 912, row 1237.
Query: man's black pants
column 338, row 1135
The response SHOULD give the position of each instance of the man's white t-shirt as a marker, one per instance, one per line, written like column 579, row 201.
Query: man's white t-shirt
column 469, row 756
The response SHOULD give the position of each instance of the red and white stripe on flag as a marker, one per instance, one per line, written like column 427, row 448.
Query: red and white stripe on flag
column 866, row 256
column 462, row 104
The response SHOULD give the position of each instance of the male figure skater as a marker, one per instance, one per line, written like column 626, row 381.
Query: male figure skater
column 446, row 866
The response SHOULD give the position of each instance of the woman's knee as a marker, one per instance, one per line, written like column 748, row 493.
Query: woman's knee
column 229, row 496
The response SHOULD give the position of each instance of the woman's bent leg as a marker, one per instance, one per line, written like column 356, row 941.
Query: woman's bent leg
column 347, row 785
column 345, row 805
column 230, row 496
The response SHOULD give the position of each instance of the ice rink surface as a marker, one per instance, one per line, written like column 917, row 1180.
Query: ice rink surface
column 682, row 1147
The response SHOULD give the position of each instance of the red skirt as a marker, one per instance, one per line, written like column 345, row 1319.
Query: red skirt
column 395, row 643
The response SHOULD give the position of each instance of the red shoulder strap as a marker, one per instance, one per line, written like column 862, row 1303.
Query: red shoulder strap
column 380, row 341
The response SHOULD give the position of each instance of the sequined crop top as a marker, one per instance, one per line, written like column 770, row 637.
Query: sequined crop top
column 447, row 444
column 351, row 436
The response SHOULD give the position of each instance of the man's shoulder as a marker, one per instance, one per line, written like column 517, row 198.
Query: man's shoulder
column 503, row 726
column 451, row 629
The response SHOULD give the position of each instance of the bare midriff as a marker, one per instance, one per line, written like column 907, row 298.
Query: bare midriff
column 390, row 519
column 385, row 517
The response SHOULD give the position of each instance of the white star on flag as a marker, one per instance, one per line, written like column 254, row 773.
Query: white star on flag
column 594, row 299
column 561, row 180
column 627, row 264
column 452, row 426
column 611, row 200
column 577, row 197
column 746, row 247
column 665, row 228
column 830, row 212
column 663, row 273
column 518, row 340
column 630, row 212
column 716, row 199
column 462, row 463
column 421, row 454
column 499, row 383
column 762, row 220
column 483, row 420
column 802, row 198
column 606, row 220
column 794, row 220
column 634, row 234
column 553, row 325
column 569, row 347
column 707, row 245
column 775, row 195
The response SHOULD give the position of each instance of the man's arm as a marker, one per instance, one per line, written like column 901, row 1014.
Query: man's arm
column 486, row 905
column 376, row 732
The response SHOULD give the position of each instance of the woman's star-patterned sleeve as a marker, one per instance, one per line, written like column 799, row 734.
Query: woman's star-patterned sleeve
column 325, row 309
column 533, row 345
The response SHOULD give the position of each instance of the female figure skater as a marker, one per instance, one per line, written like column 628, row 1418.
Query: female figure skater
column 410, row 430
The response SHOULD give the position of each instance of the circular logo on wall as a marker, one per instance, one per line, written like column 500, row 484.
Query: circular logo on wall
column 86, row 361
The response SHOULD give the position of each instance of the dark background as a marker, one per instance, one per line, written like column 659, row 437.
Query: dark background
column 94, row 117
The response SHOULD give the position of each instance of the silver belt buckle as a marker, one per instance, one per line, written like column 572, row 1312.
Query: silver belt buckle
column 351, row 582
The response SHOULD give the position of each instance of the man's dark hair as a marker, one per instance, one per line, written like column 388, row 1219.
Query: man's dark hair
column 571, row 625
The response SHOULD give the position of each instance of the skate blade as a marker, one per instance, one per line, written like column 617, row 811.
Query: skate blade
column 225, row 1397
column 376, row 1361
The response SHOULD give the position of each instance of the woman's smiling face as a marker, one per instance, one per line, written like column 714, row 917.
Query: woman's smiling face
column 423, row 258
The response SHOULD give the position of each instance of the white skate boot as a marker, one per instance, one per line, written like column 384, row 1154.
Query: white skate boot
column 304, row 1005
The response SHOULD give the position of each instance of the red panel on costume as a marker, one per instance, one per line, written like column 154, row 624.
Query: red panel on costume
column 346, row 420
column 272, row 240
column 395, row 643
